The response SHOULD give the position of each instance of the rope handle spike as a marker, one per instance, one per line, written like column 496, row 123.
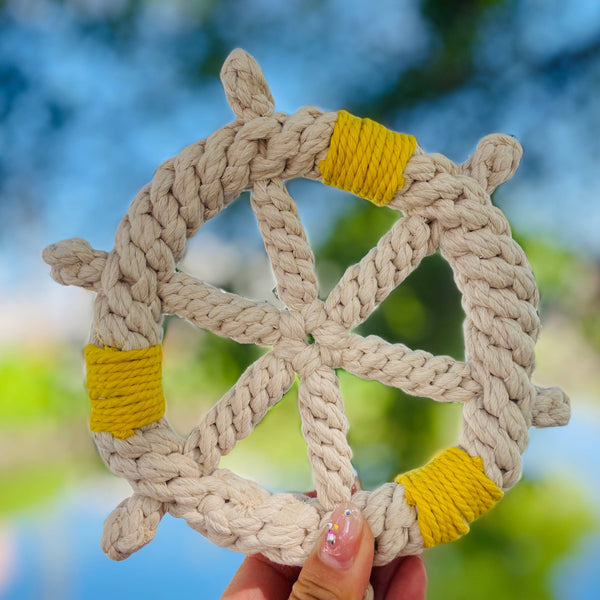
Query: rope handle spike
column 441, row 204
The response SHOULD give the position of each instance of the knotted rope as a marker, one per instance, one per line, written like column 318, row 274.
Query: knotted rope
column 443, row 205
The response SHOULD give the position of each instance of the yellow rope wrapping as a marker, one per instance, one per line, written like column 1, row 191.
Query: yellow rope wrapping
column 449, row 492
column 366, row 159
column 124, row 388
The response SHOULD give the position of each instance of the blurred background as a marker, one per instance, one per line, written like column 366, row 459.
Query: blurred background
column 95, row 94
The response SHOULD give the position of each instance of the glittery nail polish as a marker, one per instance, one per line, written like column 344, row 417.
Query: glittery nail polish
column 340, row 543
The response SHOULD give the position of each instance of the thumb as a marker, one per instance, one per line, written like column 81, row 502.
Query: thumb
column 340, row 564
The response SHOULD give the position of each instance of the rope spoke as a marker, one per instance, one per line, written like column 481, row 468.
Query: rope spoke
column 325, row 427
column 415, row 372
column 223, row 313
column 368, row 283
column 286, row 244
column 234, row 416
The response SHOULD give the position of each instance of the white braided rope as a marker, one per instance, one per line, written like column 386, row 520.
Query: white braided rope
column 444, row 205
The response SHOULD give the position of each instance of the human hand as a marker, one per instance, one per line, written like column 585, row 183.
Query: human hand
column 339, row 567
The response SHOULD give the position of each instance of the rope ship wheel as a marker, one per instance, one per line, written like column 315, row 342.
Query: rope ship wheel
column 443, row 205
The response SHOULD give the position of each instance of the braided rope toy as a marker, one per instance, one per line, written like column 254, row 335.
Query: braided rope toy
column 443, row 205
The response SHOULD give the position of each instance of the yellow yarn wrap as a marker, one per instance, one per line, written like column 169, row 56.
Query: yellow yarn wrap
column 366, row 159
column 449, row 492
column 124, row 388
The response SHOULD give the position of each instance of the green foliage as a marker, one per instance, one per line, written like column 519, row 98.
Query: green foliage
column 23, row 487
column 512, row 551
column 558, row 271
column 275, row 453
column 40, row 385
column 200, row 364
column 391, row 432
column 568, row 284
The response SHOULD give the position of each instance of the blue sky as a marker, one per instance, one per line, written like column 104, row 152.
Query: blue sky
column 127, row 111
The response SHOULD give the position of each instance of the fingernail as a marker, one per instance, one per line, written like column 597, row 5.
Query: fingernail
column 342, row 537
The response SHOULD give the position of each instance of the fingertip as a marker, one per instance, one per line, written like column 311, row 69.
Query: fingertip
column 409, row 582
column 340, row 564
column 260, row 579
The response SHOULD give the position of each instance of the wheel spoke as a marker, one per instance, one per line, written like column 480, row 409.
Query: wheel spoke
column 367, row 283
column 234, row 416
column 325, row 427
column 286, row 244
column 223, row 313
column 416, row 372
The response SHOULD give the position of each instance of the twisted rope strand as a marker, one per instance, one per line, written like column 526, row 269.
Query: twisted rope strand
column 366, row 284
column 124, row 388
column 235, row 415
column 366, row 159
column 223, row 313
column 286, row 244
column 449, row 492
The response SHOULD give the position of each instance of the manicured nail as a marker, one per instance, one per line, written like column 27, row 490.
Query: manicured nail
column 340, row 543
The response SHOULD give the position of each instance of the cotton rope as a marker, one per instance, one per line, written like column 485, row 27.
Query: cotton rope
column 449, row 492
column 366, row 159
column 441, row 205
column 124, row 388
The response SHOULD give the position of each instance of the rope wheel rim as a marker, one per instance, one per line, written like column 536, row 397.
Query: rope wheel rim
column 444, row 205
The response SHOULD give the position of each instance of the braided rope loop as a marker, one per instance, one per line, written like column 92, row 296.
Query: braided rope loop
column 444, row 205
